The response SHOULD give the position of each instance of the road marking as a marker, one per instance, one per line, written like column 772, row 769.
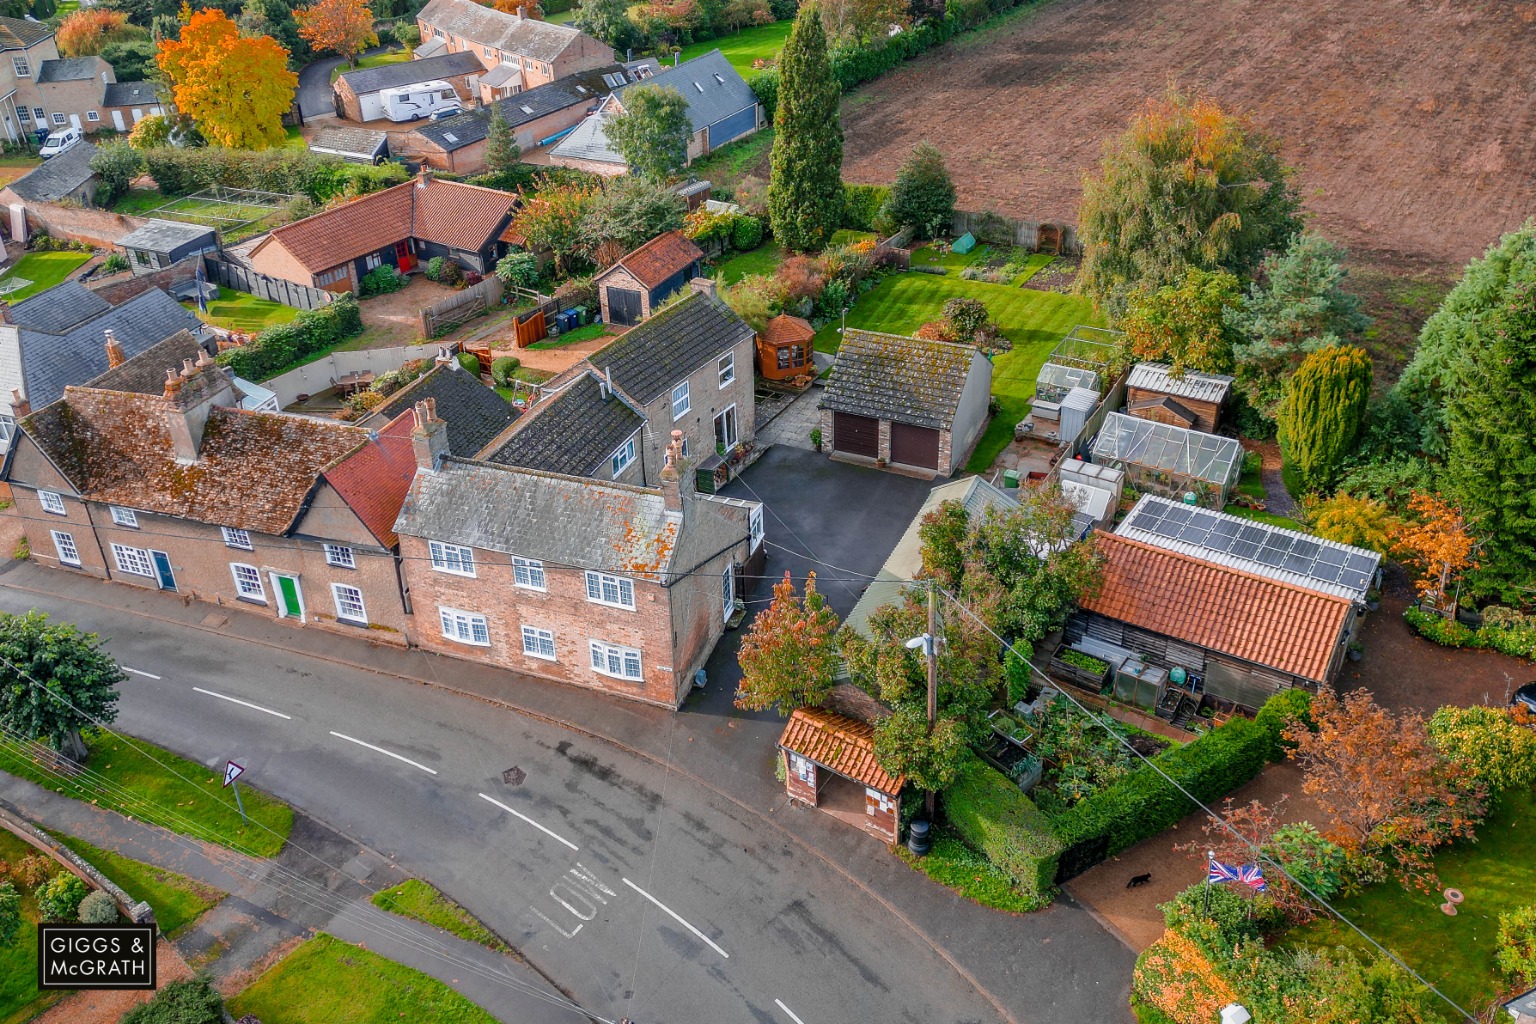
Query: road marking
column 787, row 1010
column 243, row 703
column 674, row 915
column 520, row 814
column 386, row 753
column 136, row 672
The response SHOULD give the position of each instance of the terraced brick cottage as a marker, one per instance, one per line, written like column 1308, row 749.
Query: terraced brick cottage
column 153, row 476
column 403, row 227
column 518, row 53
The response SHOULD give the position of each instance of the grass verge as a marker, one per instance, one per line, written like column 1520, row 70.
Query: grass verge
column 241, row 311
column 956, row 866
column 741, row 48
column 327, row 981
column 1260, row 516
column 199, row 803
column 762, row 260
column 420, row 900
column 177, row 899
column 378, row 60
column 20, row 999
column 44, row 270
column 584, row 333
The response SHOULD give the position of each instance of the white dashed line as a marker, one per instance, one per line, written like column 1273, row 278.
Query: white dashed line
column 674, row 915
column 520, row 814
column 243, row 703
column 386, row 753
column 136, row 672
column 787, row 1010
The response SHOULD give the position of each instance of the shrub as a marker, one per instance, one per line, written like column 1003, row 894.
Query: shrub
column 1279, row 711
column 1516, row 953
column 1493, row 746
column 10, row 913
column 925, row 268
column 452, row 274
column 115, row 263
column 834, row 297
column 966, row 317
column 1314, row 861
column 434, row 269
column 765, row 86
column 1233, row 914
column 1518, row 642
column 382, row 280
column 58, row 899
column 502, row 368
column 408, row 35
column 98, row 908
column 862, row 205
column 996, row 819
column 470, row 363
column 746, row 233
column 281, row 345
column 188, row 1001
column 519, row 269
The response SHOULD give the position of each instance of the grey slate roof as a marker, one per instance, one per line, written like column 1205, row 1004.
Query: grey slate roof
column 18, row 34
column 129, row 94
column 429, row 48
column 890, row 377
column 714, row 90
column 146, row 376
column 360, row 142
column 165, row 235
column 647, row 361
column 589, row 141
column 58, row 176
column 471, row 127
column 475, row 414
column 575, row 432
column 486, row 26
column 388, row 76
column 51, row 362
column 564, row 520
column 67, row 69
column 59, row 308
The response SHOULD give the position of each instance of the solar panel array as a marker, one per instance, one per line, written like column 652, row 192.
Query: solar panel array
column 1257, row 542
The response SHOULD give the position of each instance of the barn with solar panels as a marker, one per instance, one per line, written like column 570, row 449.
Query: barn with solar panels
column 1160, row 458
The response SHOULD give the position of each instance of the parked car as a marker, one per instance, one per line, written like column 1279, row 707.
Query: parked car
column 442, row 113
column 1526, row 695
column 59, row 141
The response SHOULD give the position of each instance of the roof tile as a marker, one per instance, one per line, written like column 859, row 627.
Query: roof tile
column 374, row 480
column 648, row 360
column 891, row 377
column 662, row 257
column 841, row 744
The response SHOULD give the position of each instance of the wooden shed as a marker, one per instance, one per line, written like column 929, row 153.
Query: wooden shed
column 829, row 763
column 784, row 348
column 1193, row 400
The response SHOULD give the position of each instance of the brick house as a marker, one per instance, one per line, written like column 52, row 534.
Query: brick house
column 357, row 93
column 518, row 53
column 1193, row 401
column 912, row 403
column 585, row 429
column 41, row 91
column 156, row 478
column 402, row 226
column 632, row 288
column 610, row 586
column 475, row 413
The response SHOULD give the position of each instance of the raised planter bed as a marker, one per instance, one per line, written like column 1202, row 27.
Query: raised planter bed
column 1080, row 669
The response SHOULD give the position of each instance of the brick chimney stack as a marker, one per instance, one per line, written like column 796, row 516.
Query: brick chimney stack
column 5, row 313
column 704, row 286
column 20, row 407
column 115, row 355
column 429, row 437
column 672, row 488
column 172, row 384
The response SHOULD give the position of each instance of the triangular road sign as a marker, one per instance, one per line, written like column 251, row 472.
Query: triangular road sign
column 232, row 771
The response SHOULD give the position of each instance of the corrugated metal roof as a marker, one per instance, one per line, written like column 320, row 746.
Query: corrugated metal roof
column 1202, row 387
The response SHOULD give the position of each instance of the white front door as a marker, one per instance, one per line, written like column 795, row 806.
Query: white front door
column 117, row 120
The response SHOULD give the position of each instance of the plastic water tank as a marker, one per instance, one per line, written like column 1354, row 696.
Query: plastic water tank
column 1177, row 675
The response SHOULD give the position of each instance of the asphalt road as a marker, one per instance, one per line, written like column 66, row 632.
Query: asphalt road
column 314, row 92
column 641, row 893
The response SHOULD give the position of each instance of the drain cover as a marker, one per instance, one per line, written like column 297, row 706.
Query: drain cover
column 514, row 776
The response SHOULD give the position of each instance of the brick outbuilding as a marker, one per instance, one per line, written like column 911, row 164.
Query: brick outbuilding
column 828, row 758
column 632, row 288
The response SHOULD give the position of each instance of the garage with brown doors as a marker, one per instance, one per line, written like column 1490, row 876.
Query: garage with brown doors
column 914, row 446
column 856, row 435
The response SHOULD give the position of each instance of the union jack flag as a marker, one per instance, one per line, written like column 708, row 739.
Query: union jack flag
column 1248, row 874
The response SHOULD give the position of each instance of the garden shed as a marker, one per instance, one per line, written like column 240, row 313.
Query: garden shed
column 1169, row 460
column 162, row 243
column 829, row 763
column 784, row 348
column 1190, row 399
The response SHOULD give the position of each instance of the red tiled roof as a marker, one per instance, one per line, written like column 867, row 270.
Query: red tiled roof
column 840, row 744
column 787, row 330
column 1222, row 609
column 374, row 480
column 660, row 258
column 446, row 212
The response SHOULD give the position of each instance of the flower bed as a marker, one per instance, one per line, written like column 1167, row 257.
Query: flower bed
column 1513, row 634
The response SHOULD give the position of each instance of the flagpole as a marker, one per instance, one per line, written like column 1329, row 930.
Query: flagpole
column 1210, row 858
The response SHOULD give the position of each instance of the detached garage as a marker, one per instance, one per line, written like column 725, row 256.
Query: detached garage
column 913, row 404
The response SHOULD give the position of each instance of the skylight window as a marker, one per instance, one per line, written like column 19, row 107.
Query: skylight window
column 719, row 79
column 525, row 108
column 450, row 136
column 697, row 86
column 581, row 89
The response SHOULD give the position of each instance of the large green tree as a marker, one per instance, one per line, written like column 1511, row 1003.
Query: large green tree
column 501, row 149
column 631, row 212
column 1322, row 413
column 1187, row 185
column 54, row 681
column 805, row 187
column 652, row 133
column 1492, row 467
column 923, row 194
column 609, row 21
column 1184, row 324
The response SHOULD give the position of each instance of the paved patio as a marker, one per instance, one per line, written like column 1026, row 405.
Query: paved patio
column 792, row 424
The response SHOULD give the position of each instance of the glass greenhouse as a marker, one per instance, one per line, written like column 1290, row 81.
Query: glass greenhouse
column 1159, row 458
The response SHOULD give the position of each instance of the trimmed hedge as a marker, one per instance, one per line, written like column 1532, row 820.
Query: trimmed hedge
column 862, row 205
column 1277, row 713
column 278, row 347
column 179, row 171
column 994, row 817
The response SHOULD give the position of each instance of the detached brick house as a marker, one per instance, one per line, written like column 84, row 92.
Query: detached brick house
column 402, row 226
column 605, row 585
column 153, row 476
column 41, row 91
column 632, row 288
column 518, row 53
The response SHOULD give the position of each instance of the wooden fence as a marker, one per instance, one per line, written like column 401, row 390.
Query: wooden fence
column 989, row 227
column 273, row 289
column 532, row 327
column 456, row 310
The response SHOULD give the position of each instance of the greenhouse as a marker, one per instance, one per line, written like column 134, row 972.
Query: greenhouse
column 1159, row 458
column 1055, row 380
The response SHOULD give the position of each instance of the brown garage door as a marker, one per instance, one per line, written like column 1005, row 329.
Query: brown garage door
column 915, row 446
column 856, row 435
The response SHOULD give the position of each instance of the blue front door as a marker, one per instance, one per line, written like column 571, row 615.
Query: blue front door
column 163, row 570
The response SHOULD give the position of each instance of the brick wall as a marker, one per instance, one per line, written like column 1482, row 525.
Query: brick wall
column 99, row 227
column 805, row 792
column 272, row 259
column 119, row 288
column 38, row 525
column 707, row 398
column 618, row 277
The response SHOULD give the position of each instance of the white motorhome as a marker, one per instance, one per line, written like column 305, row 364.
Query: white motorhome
column 414, row 102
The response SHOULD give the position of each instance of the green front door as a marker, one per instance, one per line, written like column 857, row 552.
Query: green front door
column 290, row 607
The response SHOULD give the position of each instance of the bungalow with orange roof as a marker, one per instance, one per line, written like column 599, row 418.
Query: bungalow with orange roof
column 402, row 226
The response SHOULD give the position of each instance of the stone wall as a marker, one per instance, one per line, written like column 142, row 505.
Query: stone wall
column 119, row 288
column 11, row 820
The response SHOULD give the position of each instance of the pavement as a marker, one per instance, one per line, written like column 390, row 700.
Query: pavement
column 646, row 861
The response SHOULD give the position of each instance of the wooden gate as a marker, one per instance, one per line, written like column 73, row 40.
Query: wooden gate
column 530, row 330
column 623, row 306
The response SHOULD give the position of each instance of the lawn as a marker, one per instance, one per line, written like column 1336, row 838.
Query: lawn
column 1260, row 516
column 378, row 60
column 44, row 270
column 1494, row 873
column 200, row 808
column 930, row 256
column 1034, row 321
column 241, row 311
column 956, row 866
column 177, row 900
column 760, row 42
column 1036, row 262
column 762, row 260
column 847, row 236
column 727, row 165
column 1251, row 482
column 421, row 901
column 19, row 996
column 586, row 332
column 138, row 201
column 327, row 981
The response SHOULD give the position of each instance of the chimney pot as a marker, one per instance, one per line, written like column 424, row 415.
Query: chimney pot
column 672, row 475
column 20, row 407
column 115, row 355
column 188, row 367
column 429, row 436
column 172, row 383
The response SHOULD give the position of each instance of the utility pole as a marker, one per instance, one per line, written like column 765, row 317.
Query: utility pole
column 931, row 648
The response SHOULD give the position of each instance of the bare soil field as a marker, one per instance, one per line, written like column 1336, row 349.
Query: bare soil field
column 1412, row 123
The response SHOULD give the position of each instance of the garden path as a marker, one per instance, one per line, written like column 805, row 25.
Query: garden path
column 1276, row 498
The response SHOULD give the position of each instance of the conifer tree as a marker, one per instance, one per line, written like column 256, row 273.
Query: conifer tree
column 1321, row 416
column 805, row 187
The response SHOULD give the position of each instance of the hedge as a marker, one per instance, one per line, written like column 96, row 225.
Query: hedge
column 278, row 347
column 179, row 172
column 994, row 817
column 1277, row 713
column 854, row 65
column 1518, row 642
column 862, row 205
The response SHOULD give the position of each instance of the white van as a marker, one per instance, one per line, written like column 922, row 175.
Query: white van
column 414, row 102
column 59, row 141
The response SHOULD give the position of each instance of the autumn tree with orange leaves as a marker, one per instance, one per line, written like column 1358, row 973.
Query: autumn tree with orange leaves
column 1436, row 544
column 1386, row 793
column 235, row 88
column 344, row 27
column 788, row 658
